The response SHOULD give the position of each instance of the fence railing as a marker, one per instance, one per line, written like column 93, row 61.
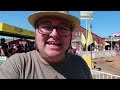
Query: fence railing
column 99, row 54
column 103, row 75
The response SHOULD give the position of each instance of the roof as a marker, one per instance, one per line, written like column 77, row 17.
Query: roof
column 116, row 34
column 115, row 39
column 13, row 31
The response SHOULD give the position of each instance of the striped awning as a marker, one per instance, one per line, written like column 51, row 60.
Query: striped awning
column 116, row 35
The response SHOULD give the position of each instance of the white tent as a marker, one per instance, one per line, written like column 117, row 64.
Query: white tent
column 116, row 35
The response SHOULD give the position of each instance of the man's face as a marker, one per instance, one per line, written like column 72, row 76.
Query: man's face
column 52, row 45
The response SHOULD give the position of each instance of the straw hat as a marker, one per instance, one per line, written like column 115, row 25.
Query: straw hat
column 75, row 22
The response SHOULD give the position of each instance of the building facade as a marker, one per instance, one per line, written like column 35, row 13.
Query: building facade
column 98, row 42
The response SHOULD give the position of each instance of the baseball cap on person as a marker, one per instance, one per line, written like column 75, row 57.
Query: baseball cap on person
column 74, row 21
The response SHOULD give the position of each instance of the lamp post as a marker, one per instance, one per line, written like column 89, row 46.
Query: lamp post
column 111, row 43
column 87, row 15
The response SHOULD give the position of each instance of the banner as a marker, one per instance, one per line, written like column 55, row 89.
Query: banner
column 90, row 38
column 86, row 15
column 6, row 28
column 83, row 40
column 106, row 44
column 96, row 44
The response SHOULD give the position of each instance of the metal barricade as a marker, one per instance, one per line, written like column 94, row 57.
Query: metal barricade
column 103, row 75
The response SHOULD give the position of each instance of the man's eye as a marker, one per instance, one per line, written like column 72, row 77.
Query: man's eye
column 48, row 27
column 64, row 28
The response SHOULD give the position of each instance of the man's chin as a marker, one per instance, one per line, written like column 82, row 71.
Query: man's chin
column 53, row 53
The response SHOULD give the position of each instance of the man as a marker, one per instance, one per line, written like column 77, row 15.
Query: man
column 51, row 60
column 12, row 50
column 4, row 46
column 1, row 51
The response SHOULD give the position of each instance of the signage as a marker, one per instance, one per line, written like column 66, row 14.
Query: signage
column 2, row 59
column 86, row 14
column 15, row 30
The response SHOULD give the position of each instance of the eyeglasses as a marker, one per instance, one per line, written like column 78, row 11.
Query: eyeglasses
column 63, row 31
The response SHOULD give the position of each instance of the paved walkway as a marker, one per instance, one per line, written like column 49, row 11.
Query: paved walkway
column 107, row 69
column 106, row 65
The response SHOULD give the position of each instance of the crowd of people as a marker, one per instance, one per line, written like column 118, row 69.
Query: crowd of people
column 9, row 50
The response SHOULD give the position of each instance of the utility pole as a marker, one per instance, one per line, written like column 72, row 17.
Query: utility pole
column 111, row 43
column 86, row 15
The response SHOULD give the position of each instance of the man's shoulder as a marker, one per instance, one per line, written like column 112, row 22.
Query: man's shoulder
column 27, row 55
column 31, row 52
column 76, row 59
column 73, row 56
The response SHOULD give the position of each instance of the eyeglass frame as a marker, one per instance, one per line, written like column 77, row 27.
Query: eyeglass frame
column 53, row 27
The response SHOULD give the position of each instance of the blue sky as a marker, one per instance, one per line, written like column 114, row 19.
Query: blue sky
column 104, row 23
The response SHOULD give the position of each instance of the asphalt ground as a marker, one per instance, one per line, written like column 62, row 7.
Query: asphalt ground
column 108, row 64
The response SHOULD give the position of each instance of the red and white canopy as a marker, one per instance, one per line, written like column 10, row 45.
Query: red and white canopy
column 116, row 35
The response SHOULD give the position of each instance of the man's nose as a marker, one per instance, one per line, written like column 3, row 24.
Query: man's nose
column 54, row 33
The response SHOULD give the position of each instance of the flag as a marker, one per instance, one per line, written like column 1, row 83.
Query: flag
column 89, row 38
column 96, row 44
column 106, row 44
column 83, row 40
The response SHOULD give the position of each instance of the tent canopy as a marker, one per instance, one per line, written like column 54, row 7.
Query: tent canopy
column 78, row 39
column 116, row 35
column 9, row 30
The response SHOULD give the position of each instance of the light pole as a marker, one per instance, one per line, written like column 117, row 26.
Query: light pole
column 111, row 43
column 87, row 15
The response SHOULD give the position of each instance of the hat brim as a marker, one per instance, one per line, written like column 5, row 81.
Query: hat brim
column 74, row 21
